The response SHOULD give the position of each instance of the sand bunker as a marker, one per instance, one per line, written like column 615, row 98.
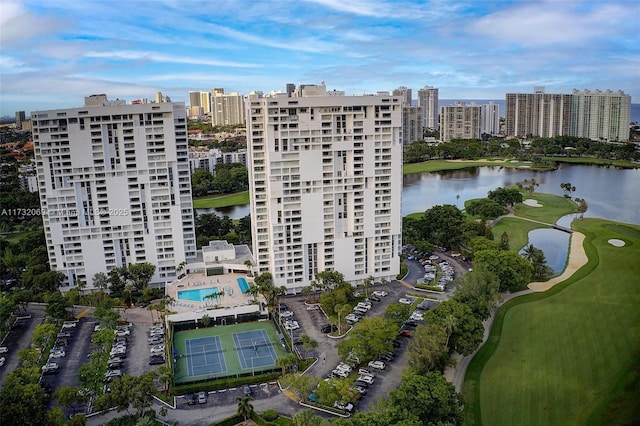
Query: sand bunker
column 531, row 203
column 577, row 259
column 616, row 242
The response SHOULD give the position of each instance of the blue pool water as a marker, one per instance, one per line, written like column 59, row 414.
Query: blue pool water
column 196, row 295
column 244, row 286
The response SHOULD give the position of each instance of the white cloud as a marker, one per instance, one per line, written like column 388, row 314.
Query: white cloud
column 155, row 57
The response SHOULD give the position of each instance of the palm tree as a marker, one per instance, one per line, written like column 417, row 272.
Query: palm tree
column 366, row 283
column 341, row 310
column 286, row 361
column 529, row 252
column 245, row 409
column 249, row 266
column 582, row 207
column 450, row 322
column 165, row 377
column 253, row 291
column 180, row 269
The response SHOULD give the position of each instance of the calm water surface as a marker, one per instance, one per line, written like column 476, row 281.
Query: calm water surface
column 611, row 193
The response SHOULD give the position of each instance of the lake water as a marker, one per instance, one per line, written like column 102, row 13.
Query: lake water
column 611, row 193
column 554, row 244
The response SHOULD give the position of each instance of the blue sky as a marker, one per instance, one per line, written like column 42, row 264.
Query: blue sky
column 53, row 53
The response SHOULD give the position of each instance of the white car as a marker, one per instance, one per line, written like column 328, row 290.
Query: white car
column 340, row 373
column 380, row 293
column 345, row 407
column 377, row 364
column 293, row 325
column 98, row 328
column 352, row 318
column 69, row 324
column 364, row 372
column 157, row 349
column 366, row 378
column 313, row 307
column 50, row 367
column 416, row 316
column 122, row 333
column 345, row 367
column 3, row 349
column 405, row 301
column 2, row 360
column 118, row 351
column 113, row 373
column 364, row 305
column 286, row 314
column 57, row 354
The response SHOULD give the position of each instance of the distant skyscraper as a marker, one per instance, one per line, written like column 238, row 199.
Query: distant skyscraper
column 538, row 114
column 460, row 121
column 601, row 115
column 20, row 118
column 411, row 124
column 490, row 118
column 405, row 93
column 114, row 187
column 290, row 88
column 325, row 176
column 194, row 99
column 428, row 100
column 227, row 109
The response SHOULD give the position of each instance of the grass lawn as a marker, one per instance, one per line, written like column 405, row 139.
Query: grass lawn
column 437, row 165
column 516, row 229
column 555, row 206
column 554, row 358
column 618, row 163
column 236, row 199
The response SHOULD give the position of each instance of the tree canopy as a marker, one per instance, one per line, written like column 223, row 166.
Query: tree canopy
column 512, row 270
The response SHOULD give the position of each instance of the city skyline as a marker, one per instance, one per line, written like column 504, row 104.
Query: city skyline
column 54, row 54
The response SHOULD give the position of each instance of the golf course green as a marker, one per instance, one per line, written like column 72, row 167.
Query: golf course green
column 564, row 357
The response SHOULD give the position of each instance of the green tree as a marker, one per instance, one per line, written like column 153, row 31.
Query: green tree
column 165, row 377
column 480, row 290
column 56, row 305
column 485, row 208
column 22, row 403
column 509, row 267
column 140, row 274
column 442, row 226
column 429, row 397
column 286, row 362
column 369, row 338
column 505, row 196
column 67, row 397
column 428, row 350
column 504, row 241
column 245, row 408
column 306, row 417
column 464, row 331
column 582, row 207
column 100, row 281
column 398, row 312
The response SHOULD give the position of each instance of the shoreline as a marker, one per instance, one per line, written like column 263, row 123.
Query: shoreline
column 577, row 259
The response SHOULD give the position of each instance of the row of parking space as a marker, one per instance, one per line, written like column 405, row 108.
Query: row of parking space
column 227, row 396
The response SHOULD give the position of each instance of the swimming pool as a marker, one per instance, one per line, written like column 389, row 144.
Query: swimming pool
column 196, row 295
column 242, row 283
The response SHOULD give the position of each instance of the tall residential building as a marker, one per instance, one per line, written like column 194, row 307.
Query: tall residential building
column 405, row 92
column 460, row 121
column 194, row 99
column 325, row 175
column 601, row 115
column 227, row 108
column 490, row 118
column 538, row 114
column 205, row 102
column 114, row 187
column 20, row 118
column 411, row 124
column 428, row 100
column 208, row 160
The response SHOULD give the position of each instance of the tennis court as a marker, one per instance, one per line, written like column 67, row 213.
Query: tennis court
column 222, row 351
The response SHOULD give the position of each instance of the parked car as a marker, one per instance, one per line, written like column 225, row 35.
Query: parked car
column 63, row 334
column 405, row 301
column 313, row 397
column 2, row 360
column 115, row 364
column 4, row 349
column 202, row 397
column 98, row 328
column 345, row 407
column 379, row 365
column 154, row 340
column 405, row 332
column 380, row 293
column 113, row 373
column 246, row 390
column 286, row 314
column 340, row 373
column 375, row 298
column 50, row 368
column 360, row 389
column 361, row 383
column 122, row 333
column 156, row 360
column 283, row 307
column 69, row 324
column 411, row 323
column 157, row 349
column 58, row 354
column 312, row 307
column 191, row 399
column 328, row 328
column 367, row 379
column 345, row 367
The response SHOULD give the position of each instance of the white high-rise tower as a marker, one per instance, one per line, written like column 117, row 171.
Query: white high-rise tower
column 114, row 187
column 325, row 173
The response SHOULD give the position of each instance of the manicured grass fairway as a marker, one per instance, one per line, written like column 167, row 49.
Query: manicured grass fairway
column 553, row 358
column 516, row 229
column 437, row 165
column 554, row 207
column 236, row 199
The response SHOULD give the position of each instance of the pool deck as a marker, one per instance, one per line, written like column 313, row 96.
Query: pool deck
column 226, row 283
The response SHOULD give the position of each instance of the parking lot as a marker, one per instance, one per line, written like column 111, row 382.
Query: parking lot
column 311, row 323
